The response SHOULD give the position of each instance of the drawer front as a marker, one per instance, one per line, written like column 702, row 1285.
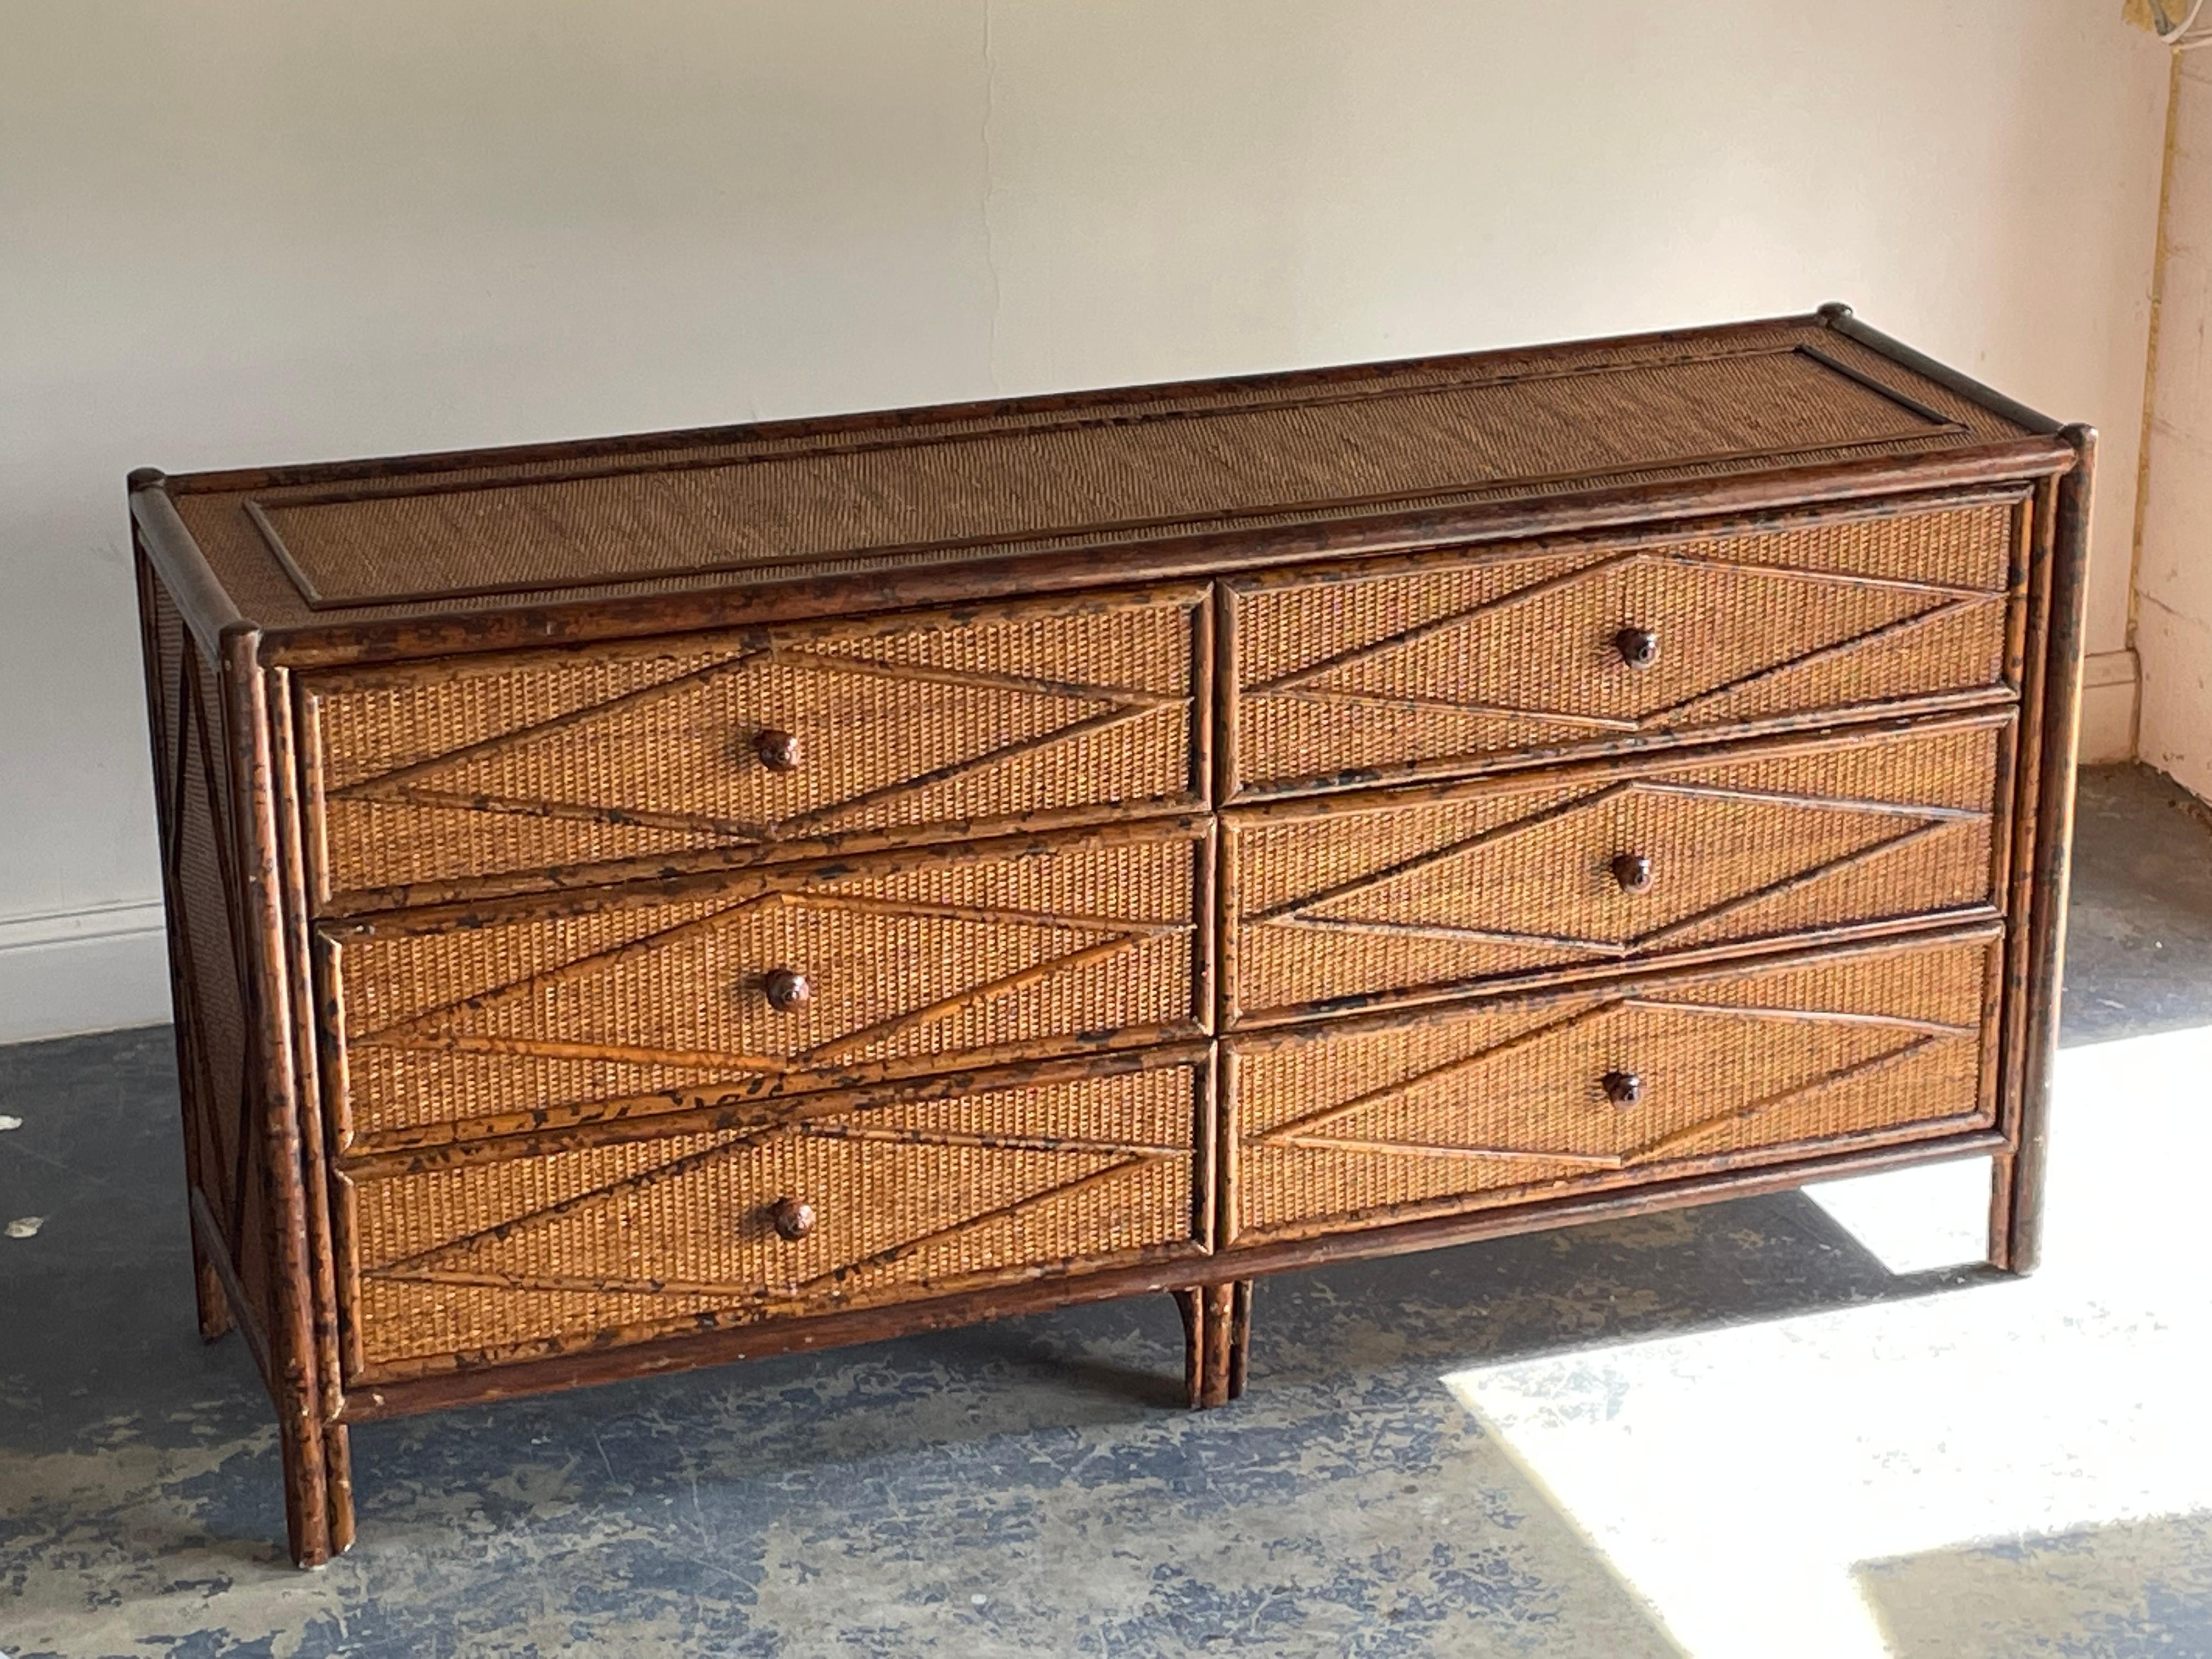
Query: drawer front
column 1352, row 1124
column 1410, row 895
column 462, row 776
column 1347, row 677
column 903, row 1199
column 451, row 1024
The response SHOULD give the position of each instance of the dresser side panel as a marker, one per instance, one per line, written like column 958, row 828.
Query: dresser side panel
column 219, row 1086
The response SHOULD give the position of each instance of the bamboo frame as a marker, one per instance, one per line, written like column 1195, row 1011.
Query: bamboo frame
column 262, row 739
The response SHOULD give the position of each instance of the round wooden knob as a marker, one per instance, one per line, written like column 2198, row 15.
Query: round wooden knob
column 1632, row 871
column 793, row 1217
column 778, row 751
column 1622, row 1088
column 1638, row 647
column 785, row 989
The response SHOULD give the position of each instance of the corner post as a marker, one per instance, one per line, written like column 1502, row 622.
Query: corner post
column 316, row 1527
column 1216, row 1330
column 216, row 1314
column 2017, row 1175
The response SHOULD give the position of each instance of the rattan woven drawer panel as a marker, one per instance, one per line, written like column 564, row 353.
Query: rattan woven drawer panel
column 1351, row 901
column 1350, row 676
column 505, row 767
column 916, row 1197
column 459, row 1023
column 1358, row 1123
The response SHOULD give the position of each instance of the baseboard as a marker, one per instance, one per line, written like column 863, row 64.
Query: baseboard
column 99, row 969
column 2108, row 707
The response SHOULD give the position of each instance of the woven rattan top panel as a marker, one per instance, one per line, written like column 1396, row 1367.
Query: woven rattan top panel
column 750, row 505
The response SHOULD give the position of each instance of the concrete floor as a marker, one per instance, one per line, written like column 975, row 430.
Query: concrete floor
column 1741, row 1428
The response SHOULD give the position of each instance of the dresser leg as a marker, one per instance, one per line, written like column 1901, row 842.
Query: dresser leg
column 2015, row 1211
column 306, row 1495
column 318, row 1491
column 213, row 1301
column 338, row 1481
column 1240, row 1335
column 214, row 1309
column 1217, row 1328
column 1216, row 1301
column 1191, row 1304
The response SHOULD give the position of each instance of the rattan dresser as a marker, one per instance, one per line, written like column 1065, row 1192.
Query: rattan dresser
column 645, row 902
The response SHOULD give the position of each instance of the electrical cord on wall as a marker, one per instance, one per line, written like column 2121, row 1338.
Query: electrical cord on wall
column 2179, row 36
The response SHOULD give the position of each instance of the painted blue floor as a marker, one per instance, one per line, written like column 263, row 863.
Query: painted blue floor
column 1030, row 1488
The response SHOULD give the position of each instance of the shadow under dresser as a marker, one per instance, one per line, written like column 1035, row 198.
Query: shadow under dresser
column 651, row 902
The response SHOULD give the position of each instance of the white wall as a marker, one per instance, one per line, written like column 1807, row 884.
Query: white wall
column 252, row 230
column 2174, row 574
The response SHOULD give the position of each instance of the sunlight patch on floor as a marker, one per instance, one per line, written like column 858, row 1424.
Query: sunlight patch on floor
column 1915, row 1220
column 1739, row 1479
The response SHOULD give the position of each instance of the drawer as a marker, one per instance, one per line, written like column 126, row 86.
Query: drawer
column 1365, row 674
column 533, row 1013
column 1352, row 1124
column 904, row 1197
column 1352, row 901
column 437, row 779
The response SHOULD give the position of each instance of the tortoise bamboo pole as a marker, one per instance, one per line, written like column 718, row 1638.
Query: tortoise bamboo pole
column 2016, row 1204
